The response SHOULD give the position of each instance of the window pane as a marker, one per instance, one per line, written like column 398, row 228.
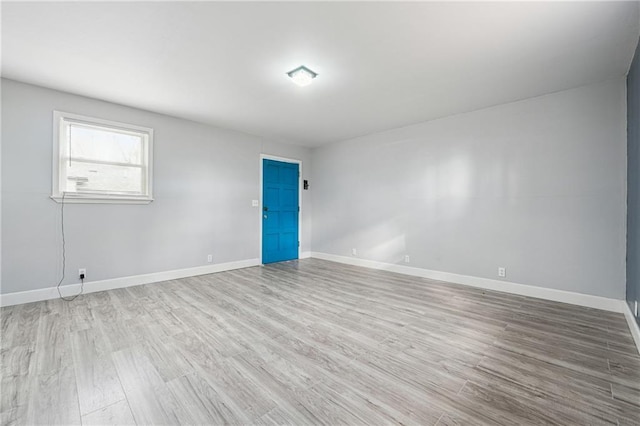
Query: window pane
column 90, row 177
column 104, row 145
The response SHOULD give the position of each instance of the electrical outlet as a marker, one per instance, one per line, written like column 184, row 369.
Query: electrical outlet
column 354, row 252
column 255, row 203
column 82, row 273
column 502, row 272
column 407, row 259
column 210, row 258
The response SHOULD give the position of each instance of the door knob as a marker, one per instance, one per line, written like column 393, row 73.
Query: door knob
column 265, row 216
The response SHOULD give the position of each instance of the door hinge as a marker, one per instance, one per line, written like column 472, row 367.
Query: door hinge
column 298, row 208
column 298, row 243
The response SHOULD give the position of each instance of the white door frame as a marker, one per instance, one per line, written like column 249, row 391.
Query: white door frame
column 286, row 160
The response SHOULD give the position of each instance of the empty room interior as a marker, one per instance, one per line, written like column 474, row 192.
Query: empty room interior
column 338, row 213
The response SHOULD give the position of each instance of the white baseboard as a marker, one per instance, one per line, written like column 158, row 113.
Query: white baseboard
column 604, row 303
column 20, row 297
column 590, row 301
column 633, row 325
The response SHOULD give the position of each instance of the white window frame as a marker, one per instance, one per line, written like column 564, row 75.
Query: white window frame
column 61, row 120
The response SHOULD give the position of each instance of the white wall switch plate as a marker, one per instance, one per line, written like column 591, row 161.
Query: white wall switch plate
column 255, row 203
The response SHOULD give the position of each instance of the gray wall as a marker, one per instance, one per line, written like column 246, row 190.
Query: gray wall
column 204, row 181
column 633, row 182
column 536, row 186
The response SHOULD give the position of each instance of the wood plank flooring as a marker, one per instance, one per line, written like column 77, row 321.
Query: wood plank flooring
column 315, row 342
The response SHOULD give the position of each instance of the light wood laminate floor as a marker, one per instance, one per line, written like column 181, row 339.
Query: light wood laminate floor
column 315, row 342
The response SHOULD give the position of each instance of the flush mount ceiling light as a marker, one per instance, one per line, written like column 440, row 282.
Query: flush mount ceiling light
column 302, row 76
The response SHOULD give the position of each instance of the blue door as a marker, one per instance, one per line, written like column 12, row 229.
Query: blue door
column 280, row 211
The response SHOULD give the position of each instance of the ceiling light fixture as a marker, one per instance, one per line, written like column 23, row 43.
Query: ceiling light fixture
column 302, row 76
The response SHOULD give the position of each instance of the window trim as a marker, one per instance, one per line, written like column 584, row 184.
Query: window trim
column 60, row 120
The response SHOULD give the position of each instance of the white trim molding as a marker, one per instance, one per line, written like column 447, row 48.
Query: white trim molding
column 48, row 293
column 587, row 300
column 79, row 199
column 633, row 324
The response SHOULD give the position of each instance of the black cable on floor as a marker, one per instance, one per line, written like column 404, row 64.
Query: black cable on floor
column 64, row 257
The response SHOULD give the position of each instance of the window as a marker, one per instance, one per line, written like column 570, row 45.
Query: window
column 100, row 161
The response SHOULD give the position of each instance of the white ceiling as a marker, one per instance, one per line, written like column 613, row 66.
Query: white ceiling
column 380, row 65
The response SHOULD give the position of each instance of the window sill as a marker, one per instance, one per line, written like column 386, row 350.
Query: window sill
column 97, row 199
